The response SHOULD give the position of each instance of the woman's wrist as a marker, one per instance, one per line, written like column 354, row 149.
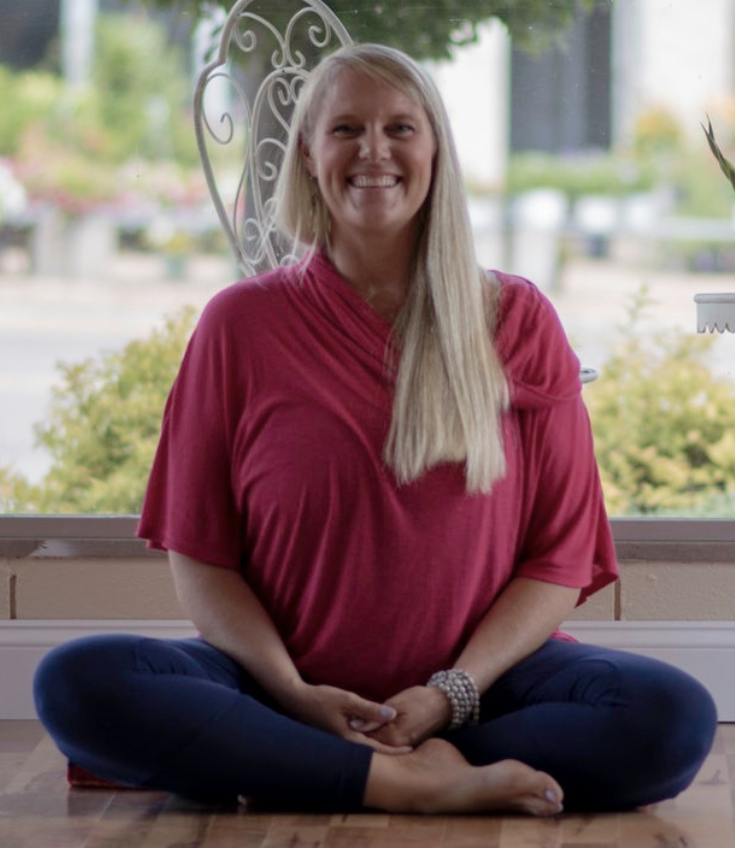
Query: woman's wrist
column 460, row 690
column 286, row 686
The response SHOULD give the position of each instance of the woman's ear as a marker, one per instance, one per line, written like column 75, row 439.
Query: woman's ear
column 306, row 156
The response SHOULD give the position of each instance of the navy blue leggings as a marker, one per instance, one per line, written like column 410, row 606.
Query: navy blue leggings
column 616, row 730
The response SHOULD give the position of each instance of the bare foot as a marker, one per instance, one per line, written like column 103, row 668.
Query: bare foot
column 436, row 778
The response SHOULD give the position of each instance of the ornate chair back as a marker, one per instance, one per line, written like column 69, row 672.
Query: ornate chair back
column 243, row 103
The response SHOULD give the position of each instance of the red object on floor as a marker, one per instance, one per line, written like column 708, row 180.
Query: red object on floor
column 80, row 778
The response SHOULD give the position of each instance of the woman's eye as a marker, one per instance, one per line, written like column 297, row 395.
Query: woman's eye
column 344, row 129
column 402, row 129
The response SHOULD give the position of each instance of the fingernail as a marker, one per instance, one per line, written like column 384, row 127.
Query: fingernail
column 356, row 723
column 550, row 796
column 387, row 712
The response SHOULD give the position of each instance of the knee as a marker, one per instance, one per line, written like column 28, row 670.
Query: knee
column 688, row 722
column 676, row 732
column 69, row 680
column 59, row 681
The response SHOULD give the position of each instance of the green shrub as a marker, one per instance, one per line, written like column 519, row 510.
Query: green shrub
column 109, row 140
column 663, row 426
column 26, row 98
column 576, row 175
column 685, row 170
column 141, row 103
column 103, row 427
column 700, row 188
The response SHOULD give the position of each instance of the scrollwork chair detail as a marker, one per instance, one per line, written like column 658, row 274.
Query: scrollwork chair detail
column 264, row 55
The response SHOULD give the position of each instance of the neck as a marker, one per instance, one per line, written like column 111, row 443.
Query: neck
column 378, row 271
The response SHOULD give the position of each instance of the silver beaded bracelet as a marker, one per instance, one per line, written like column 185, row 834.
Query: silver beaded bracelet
column 462, row 693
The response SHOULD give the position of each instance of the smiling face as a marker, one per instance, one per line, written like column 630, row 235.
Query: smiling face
column 371, row 151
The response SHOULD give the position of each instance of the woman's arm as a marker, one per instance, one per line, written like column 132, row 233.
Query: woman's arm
column 522, row 618
column 229, row 616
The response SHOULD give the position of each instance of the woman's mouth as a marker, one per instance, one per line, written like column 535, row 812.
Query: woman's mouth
column 373, row 180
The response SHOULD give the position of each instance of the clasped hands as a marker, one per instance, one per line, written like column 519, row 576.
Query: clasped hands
column 394, row 727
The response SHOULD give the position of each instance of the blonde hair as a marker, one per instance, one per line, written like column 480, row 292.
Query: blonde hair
column 450, row 387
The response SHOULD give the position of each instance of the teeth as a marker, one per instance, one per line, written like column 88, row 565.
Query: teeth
column 366, row 181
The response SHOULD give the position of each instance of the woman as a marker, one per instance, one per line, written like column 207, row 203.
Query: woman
column 377, row 489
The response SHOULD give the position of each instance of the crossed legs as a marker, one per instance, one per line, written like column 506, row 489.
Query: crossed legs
column 613, row 729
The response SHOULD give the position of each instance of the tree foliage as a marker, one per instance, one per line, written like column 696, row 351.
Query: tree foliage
column 27, row 98
column 139, row 103
column 141, row 94
column 425, row 30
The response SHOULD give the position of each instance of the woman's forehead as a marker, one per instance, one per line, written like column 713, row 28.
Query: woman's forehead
column 352, row 87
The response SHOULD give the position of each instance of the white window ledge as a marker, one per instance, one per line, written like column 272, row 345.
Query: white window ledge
column 70, row 536
column 65, row 537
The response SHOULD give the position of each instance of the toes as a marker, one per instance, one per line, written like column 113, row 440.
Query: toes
column 542, row 808
column 534, row 792
column 550, row 797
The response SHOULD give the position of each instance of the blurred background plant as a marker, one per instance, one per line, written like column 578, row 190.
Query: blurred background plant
column 127, row 135
column 575, row 176
column 102, row 427
column 659, row 156
column 662, row 421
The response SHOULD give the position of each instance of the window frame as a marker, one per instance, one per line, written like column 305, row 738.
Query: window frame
column 113, row 536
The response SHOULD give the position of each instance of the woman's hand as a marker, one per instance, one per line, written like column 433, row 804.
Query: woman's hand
column 421, row 712
column 344, row 714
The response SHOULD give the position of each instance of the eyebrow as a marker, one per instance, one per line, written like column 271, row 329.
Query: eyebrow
column 399, row 116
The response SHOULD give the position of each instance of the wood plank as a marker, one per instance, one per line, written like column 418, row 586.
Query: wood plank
column 37, row 808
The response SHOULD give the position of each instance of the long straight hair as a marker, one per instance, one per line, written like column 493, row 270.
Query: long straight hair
column 450, row 389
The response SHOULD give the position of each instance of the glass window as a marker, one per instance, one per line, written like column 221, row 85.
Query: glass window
column 586, row 168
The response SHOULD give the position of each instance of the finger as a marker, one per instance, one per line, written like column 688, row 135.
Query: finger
column 391, row 739
column 370, row 712
column 381, row 748
column 365, row 726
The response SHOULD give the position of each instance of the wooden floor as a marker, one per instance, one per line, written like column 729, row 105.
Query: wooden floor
column 38, row 810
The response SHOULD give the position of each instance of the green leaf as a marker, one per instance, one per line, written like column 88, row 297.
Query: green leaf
column 725, row 165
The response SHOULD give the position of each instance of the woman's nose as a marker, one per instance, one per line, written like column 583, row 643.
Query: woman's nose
column 373, row 146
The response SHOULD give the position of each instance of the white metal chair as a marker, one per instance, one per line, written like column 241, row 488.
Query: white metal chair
column 244, row 97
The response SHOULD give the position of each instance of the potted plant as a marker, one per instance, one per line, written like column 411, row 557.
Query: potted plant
column 716, row 311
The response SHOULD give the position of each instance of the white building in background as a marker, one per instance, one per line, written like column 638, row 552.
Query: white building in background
column 475, row 87
column 630, row 57
column 679, row 54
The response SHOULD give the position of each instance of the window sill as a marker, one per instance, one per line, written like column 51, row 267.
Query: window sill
column 71, row 537
column 76, row 536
